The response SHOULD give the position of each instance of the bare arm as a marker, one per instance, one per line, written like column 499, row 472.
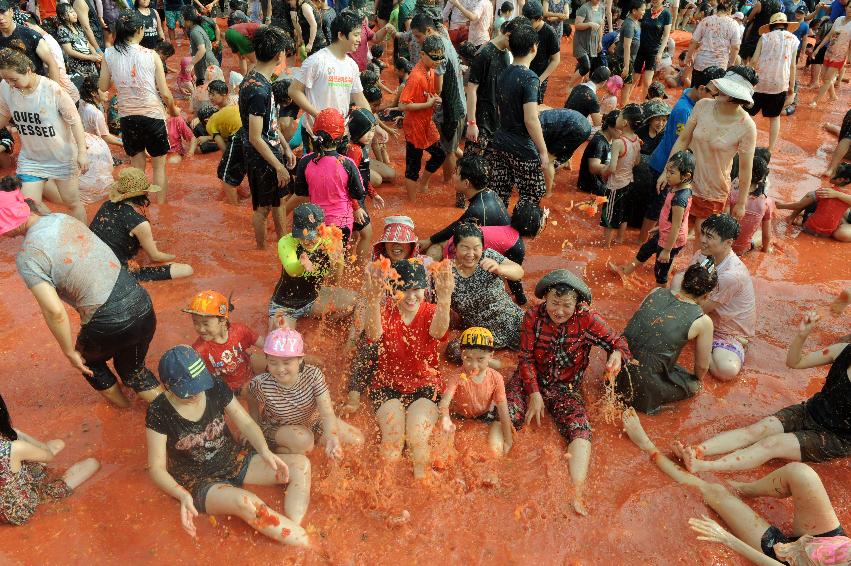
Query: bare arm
column 82, row 10
column 795, row 358
column 596, row 166
column 253, row 408
column 444, row 284
column 245, row 424
column 746, row 151
column 533, row 126
column 327, row 416
column 701, row 330
column 162, row 87
column 296, row 93
column 553, row 65
column 43, row 52
column 472, row 16
column 617, row 147
column 311, row 21
column 666, row 32
column 627, row 57
column 54, row 315
column 157, row 465
column 105, row 80
column 145, row 236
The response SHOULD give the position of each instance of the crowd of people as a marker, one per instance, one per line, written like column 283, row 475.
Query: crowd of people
column 306, row 117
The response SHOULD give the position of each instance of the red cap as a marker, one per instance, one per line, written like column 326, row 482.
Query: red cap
column 331, row 122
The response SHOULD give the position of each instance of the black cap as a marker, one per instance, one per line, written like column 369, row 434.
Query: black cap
column 306, row 219
column 412, row 274
column 801, row 9
column 361, row 121
column 533, row 10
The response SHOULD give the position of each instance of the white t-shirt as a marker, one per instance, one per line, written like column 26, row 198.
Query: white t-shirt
column 93, row 119
column 59, row 57
column 779, row 48
column 43, row 119
column 737, row 314
column 329, row 82
column 134, row 75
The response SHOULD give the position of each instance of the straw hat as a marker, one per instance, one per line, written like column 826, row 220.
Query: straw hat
column 131, row 183
column 778, row 18
column 735, row 86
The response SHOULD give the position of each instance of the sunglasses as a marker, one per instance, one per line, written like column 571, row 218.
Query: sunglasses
column 436, row 57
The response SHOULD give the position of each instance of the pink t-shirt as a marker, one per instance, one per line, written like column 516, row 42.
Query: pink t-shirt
column 757, row 210
column 328, row 183
column 178, row 132
column 680, row 198
column 361, row 54
column 736, row 317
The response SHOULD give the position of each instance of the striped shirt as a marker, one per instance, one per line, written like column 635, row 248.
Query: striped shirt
column 294, row 405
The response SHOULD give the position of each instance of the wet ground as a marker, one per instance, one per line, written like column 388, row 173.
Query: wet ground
column 476, row 510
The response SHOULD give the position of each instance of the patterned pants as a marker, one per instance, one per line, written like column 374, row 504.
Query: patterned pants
column 507, row 171
column 563, row 403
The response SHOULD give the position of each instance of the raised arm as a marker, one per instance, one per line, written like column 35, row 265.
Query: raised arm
column 797, row 360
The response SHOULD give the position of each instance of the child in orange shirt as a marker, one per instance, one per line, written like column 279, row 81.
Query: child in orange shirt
column 418, row 99
column 478, row 391
column 826, row 210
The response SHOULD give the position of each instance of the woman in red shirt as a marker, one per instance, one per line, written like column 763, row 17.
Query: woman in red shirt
column 406, row 385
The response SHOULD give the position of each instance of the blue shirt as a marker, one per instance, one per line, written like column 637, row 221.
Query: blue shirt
column 801, row 32
column 676, row 121
column 836, row 10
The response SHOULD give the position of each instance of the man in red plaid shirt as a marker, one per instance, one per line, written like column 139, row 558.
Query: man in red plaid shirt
column 555, row 343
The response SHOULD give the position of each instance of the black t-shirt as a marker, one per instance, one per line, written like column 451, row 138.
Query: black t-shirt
column 648, row 144
column 516, row 86
column 297, row 292
column 548, row 45
column 831, row 407
column 599, row 148
column 25, row 40
column 256, row 99
column 197, row 450
column 583, row 99
column 485, row 208
column 149, row 24
column 113, row 223
column 652, row 30
column 564, row 131
column 487, row 65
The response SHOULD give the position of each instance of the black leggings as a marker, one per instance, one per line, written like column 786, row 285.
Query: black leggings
column 120, row 330
column 414, row 159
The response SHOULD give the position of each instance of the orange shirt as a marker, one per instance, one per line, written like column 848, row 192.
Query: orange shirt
column 828, row 215
column 419, row 129
column 473, row 399
column 46, row 9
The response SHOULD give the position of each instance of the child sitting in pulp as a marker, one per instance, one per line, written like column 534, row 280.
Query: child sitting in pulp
column 477, row 391
column 224, row 345
column 672, row 232
column 826, row 210
column 291, row 401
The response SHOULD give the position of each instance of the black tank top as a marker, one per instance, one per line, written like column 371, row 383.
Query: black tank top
column 831, row 407
column 319, row 40
column 149, row 24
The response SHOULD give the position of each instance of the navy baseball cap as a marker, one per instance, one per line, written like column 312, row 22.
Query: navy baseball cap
column 183, row 372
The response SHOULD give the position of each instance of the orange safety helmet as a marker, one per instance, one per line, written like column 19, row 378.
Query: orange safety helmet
column 209, row 303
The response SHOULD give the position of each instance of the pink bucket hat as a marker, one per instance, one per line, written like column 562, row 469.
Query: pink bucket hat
column 13, row 210
column 397, row 230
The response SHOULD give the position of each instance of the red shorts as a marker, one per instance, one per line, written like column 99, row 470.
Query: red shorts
column 702, row 208
column 834, row 64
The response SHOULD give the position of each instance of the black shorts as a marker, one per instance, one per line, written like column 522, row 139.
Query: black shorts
column 232, row 164
column 613, row 213
column 817, row 443
column 384, row 394
column 262, row 179
column 773, row 536
column 650, row 248
column 818, row 57
column 414, row 159
column 121, row 330
column 142, row 133
column 586, row 64
column 357, row 226
column 201, row 488
column 645, row 60
column 655, row 204
column 771, row 105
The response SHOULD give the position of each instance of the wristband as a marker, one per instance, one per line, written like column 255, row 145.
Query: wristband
column 471, row 122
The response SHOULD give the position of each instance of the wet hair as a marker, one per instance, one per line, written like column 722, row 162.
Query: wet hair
column 722, row 225
column 432, row 44
column 402, row 64
column 372, row 94
column 62, row 10
column 139, row 200
column 10, row 183
column 14, row 60
column 843, row 173
column 706, row 9
column 50, row 25
column 206, row 112
column 467, row 51
column 422, row 23
column 126, row 26
column 369, row 78
column 684, row 162
column 700, row 279
column 610, row 119
column 89, row 91
column 723, row 6
column 633, row 115
column 280, row 90
column 473, row 168
column 762, row 152
column 190, row 14
column 6, row 422
column 712, row 72
column 562, row 289
column 759, row 176
column 506, row 7
column 377, row 50
column 527, row 218
column 636, row 4
column 345, row 23
column 269, row 42
column 600, row 75
column 217, row 87
column 164, row 48
column 467, row 230
column 523, row 37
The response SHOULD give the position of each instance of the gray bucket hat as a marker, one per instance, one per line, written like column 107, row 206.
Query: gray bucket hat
column 565, row 277
column 654, row 108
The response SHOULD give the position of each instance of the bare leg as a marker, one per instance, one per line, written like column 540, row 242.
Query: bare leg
column 349, row 434
column 496, row 441
column 838, row 155
column 115, row 396
column 159, row 177
column 224, row 499
column 826, row 85
column 739, row 438
column 843, row 233
column 278, row 220
column 422, row 414
column 580, row 459
column 258, row 221
column 231, row 195
column 294, row 439
column 724, row 365
column 813, row 512
column 784, row 446
column 386, row 171
column 69, row 191
column 411, row 189
column 363, row 250
column 391, row 421
column 150, row 394
column 773, row 132
column 646, row 226
column 626, row 92
column 180, row 270
column 80, row 472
